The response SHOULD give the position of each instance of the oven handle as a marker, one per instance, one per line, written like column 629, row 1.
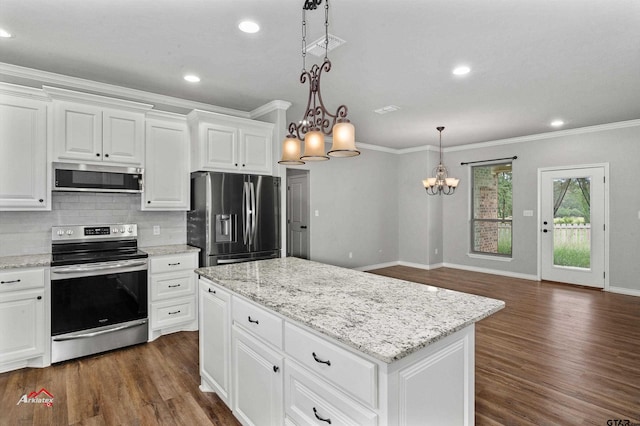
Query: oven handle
column 94, row 267
column 98, row 333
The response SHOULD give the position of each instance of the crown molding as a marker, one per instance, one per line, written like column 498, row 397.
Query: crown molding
column 71, row 95
column 548, row 135
column 417, row 149
column 270, row 107
column 45, row 77
column 23, row 92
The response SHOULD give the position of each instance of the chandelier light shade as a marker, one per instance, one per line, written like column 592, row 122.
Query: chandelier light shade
column 441, row 183
column 314, row 147
column 291, row 152
column 317, row 122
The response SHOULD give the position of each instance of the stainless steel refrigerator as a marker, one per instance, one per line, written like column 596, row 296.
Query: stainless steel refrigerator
column 234, row 217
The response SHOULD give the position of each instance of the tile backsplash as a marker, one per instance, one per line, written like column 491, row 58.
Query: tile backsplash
column 30, row 232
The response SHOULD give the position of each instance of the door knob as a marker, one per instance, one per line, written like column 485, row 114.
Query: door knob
column 544, row 230
column 303, row 227
column 544, row 223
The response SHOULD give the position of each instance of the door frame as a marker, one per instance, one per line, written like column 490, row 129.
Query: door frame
column 607, row 227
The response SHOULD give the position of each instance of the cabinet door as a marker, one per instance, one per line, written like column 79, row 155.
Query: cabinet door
column 23, row 154
column 257, row 381
column 122, row 137
column 166, row 167
column 220, row 146
column 21, row 325
column 215, row 341
column 255, row 150
column 77, row 132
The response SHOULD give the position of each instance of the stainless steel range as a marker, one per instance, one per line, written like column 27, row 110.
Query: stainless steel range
column 98, row 290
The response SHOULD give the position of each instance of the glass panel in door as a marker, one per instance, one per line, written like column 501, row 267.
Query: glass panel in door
column 572, row 222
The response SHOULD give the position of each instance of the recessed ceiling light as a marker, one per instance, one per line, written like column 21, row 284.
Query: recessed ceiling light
column 249, row 27
column 557, row 123
column 192, row 78
column 461, row 70
column 5, row 33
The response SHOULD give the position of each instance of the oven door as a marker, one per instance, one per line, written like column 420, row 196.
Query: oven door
column 97, row 307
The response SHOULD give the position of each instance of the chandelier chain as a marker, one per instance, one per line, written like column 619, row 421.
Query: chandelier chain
column 326, row 30
column 304, row 41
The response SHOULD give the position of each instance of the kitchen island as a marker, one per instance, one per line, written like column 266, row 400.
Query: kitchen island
column 328, row 343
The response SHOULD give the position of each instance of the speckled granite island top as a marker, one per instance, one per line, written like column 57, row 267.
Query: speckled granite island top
column 25, row 261
column 384, row 317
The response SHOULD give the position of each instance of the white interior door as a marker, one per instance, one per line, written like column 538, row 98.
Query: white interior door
column 572, row 225
column 298, row 215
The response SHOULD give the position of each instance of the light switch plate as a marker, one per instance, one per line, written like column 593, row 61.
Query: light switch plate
column 527, row 213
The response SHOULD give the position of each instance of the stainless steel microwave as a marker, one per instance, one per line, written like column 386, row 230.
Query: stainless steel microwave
column 97, row 178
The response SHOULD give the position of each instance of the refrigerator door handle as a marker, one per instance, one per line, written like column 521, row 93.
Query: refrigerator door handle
column 244, row 212
column 254, row 213
column 208, row 212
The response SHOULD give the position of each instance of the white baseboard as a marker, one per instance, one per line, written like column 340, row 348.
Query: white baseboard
column 627, row 291
column 399, row 263
column 492, row 271
column 376, row 266
column 421, row 265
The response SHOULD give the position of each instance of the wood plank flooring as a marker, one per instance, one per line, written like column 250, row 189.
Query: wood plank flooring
column 556, row 355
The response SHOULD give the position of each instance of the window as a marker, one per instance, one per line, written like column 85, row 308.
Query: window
column 492, row 211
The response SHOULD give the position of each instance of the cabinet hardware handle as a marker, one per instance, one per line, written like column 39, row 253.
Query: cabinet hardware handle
column 319, row 360
column 97, row 154
column 39, row 297
column 41, row 200
column 148, row 202
column 236, row 164
column 253, row 321
column 175, row 285
column 275, row 368
column 173, row 313
column 173, row 264
column 10, row 282
column 106, row 155
column 315, row 412
column 243, row 165
column 211, row 291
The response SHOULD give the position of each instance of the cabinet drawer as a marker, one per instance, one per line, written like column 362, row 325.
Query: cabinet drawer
column 353, row 374
column 173, row 312
column 173, row 263
column 21, row 279
column 172, row 284
column 263, row 324
column 309, row 400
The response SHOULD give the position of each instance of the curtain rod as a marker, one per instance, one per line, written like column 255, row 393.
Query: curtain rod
column 515, row 157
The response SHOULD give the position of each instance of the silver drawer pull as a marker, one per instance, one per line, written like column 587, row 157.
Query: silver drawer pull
column 315, row 413
column 10, row 282
column 175, row 285
column 173, row 313
column 319, row 360
column 173, row 264
column 253, row 321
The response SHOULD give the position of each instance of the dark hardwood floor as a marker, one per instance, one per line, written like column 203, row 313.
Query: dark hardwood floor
column 556, row 355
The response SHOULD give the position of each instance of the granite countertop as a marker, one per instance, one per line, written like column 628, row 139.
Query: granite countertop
column 170, row 249
column 383, row 317
column 25, row 261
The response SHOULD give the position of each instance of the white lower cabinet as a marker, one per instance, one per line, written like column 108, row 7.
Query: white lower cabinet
column 24, row 318
column 215, row 340
column 282, row 372
column 172, row 293
column 257, row 381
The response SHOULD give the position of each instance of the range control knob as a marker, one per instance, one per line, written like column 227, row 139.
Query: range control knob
column 122, row 230
column 69, row 232
column 129, row 229
column 114, row 230
column 60, row 232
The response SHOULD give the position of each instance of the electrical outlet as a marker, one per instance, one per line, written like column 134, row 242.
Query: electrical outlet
column 436, row 251
column 156, row 229
column 317, row 213
column 350, row 255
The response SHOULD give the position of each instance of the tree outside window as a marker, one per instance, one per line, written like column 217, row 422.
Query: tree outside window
column 492, row 194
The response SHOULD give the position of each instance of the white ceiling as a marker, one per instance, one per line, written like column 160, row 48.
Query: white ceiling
column 532, row 60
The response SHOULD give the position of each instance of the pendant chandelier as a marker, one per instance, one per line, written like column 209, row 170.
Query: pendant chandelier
column 317, row 122
column 441, row 183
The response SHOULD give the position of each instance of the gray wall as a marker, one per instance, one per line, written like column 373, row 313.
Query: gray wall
column 357, row 202
column 619, row 147
column 30, row 232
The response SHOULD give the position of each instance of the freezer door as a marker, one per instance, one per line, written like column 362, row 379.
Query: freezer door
column 264, row 224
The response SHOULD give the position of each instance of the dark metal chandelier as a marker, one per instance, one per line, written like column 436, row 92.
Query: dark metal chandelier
column 317, row 122
column 441, row 183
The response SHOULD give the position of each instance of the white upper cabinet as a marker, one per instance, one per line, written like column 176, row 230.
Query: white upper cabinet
column 24, row 171
column 225, row 143
column 95, row 129
column 166, row 163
